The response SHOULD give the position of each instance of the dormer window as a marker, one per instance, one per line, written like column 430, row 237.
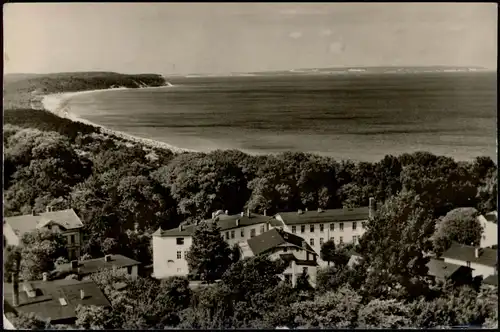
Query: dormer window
column 62, row 301
column 180, row 241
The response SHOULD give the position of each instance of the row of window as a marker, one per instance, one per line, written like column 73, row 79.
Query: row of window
column 322, row 227
column 230, row 234
column 179, row 254
column 355, row 240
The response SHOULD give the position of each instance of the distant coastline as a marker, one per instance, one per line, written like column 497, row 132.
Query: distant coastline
column 57, row 104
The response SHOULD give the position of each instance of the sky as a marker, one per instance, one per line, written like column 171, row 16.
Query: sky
column 181, row 38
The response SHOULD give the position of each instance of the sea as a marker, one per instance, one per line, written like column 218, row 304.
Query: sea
column 360, row 117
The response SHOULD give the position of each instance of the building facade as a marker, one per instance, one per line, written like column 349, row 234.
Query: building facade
column 488, row 222
column 170, row 247
column 64, row 221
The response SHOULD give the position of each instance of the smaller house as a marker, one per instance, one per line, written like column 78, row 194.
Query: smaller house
column 108, row 262
column 64, row 221
column 440, row 270
column 488, row 222
column 483, row 261
column 278, row 244
column 55, row 300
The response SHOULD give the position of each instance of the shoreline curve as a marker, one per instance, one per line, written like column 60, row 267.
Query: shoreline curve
column 57, row 104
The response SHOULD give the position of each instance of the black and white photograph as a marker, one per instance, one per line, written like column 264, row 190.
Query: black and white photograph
column 250, row 165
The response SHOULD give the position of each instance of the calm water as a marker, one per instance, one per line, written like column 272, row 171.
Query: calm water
column 356, row 117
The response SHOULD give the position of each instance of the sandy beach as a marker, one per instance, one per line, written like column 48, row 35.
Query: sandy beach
column 57, row 104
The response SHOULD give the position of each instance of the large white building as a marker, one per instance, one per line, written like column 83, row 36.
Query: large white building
column 315, row 227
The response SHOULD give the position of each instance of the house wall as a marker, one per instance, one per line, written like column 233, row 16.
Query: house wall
column 165, row 261
column 294, row 269
column 73, row 247
column 10, row 235
column 328, row 233
column 489, row 236
column 478, row 269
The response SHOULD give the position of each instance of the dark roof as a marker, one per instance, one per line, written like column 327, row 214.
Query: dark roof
column 440, row 269
column 225, row 223
column 491, row 280
column 27, row 223
column 46, row 302
column 325, row 216
column 94, row 265
column 465, row 253
column 291, row 257
column 274, row 238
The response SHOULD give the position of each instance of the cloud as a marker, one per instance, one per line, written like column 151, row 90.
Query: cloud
column 326, row 32
column 336, row 47
column 295, row 34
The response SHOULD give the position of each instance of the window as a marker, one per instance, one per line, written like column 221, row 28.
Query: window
column 180, row 241
column 288, row 278
column 262, row 229
column 341, row 226
column 71, row 253
column 285, row 249
column 227, row 235
column 354, row 239
column 468, row 264
column 179, row 270
column 341, row 240
column 129, row 269
column 185, row 254
column 321, row 228
column 354, row 224
column 304, row 269
column 232, row 235
column 363, row 224
column 252, row 232
column 321, row 241
column 242, row 232
column 303, row 229
column 311, row 228
column 294, row 229
column 311, row 241
column 179, row 254
column 332, row 226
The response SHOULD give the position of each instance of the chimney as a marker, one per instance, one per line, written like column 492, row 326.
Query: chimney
column 45, row 276
column 226, row 212
column 372, row 207
column 477, row 252
column 237, row 222
column 107, row 258
column 180, row 228
column 307, row 209
column 265, row 213
column 15, row 286
column 299, row 211
column 242, row 214
column 47, row 209
column 213, row 215
column 248, row 213
column 33, row 212
column 82, row 294
column 74, row 264
column 320, row 210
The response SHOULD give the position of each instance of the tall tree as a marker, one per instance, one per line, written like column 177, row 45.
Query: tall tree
column 209, row 255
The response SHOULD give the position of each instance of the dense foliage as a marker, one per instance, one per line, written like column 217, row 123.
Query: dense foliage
column 124, row 191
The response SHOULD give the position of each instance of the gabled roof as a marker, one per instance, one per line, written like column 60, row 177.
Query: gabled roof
column 27, row 223
column 225, row 222
column 274, row 238
column 94, row 265
column 46, row 303
column 491, row 280
column 440, row 269
column 487, row 257
column 325, row 216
